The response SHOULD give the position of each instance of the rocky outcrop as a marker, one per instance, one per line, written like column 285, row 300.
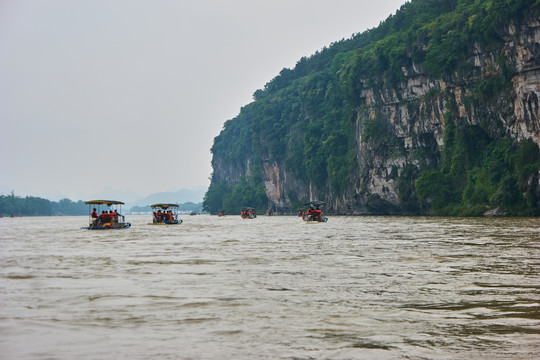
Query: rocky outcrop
column 522, row 50
column 413, row 113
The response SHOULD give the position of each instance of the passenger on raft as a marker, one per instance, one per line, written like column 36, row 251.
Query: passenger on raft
column 318, row 214
column 95, row 216
column 314, row 214
column 163, row 216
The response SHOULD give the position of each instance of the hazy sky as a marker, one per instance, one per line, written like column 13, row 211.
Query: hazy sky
column 129, row 95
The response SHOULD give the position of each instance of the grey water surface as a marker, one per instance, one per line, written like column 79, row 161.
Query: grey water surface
column 271, row 288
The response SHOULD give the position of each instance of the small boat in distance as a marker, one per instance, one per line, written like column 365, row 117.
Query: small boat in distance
column 103, row 219
column 165, row 214
column 314, row 213
column 248, row 213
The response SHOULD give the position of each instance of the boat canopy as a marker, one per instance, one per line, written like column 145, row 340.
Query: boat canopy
column 249, row 208
column 104, row 202
column 164, row 206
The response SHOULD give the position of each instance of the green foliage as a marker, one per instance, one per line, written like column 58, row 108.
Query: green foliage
column 328, row 134
column 375, row 130
column 406, row 188
column 526, row 160
column 213, row 199
column 232, row 198
column 245, row 194
column 452, row 35
column 494, row 179
column 439, row 33
column 435, row 189
column 68, row 207
column 36, row 206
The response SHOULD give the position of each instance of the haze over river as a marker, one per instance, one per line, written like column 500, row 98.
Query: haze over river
column 271, row 288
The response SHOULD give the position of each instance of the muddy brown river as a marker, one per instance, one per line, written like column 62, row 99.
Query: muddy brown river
column 271, row 288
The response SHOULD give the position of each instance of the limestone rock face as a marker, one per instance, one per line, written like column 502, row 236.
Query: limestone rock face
column 414, row 112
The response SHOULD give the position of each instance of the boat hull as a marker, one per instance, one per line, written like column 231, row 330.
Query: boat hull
column 166, row 223
column 119, row 226
column 310, row 220
column 315, row 221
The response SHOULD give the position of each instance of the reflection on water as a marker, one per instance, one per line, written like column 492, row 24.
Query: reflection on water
column 273, row 287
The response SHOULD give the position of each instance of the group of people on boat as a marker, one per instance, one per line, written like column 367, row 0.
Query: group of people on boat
column 163, row 216
column 248, row 213
column 313, row 213
column 104, row 218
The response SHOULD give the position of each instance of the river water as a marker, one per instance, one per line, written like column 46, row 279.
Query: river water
column 271, row 288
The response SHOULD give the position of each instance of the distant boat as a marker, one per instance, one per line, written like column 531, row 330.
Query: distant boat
column 314, row 213
column 169, row 215
column 248, row 213
column 103, row 219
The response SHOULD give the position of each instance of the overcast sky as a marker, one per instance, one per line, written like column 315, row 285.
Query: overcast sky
column 129, row 95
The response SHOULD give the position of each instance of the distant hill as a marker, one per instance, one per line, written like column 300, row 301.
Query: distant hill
column 178, row 197
column 126, row 196
column 183, row 208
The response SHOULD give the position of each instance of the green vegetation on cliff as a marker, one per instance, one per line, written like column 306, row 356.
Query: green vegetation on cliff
column 479, row 173
column 305, row 120
column 232, row 198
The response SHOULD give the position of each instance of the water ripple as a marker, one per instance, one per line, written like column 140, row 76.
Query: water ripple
column 214, row 288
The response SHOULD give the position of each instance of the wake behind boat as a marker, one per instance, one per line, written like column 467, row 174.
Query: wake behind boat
column 106, row 219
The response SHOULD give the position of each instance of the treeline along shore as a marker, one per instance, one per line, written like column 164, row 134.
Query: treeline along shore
column 36, row 206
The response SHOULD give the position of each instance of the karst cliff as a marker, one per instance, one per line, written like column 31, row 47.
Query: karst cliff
column 436, row 111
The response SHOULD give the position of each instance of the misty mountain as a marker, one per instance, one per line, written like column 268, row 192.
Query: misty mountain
column 126, row 196
column 177, row 197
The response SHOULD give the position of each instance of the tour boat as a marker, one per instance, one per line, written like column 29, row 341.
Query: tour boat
column 314, row 213
column 110, row 219
column 165, row 214
column 248, row 213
